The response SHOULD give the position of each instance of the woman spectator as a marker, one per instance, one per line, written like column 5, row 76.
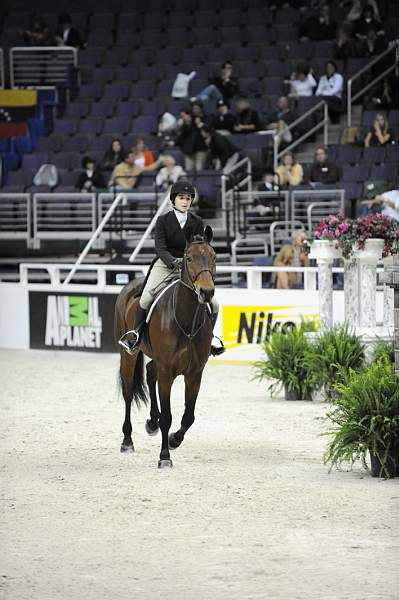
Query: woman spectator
column 291, row 255
column 142, row 156
column 289, row 171
column 90, row 179
column 169, row 174
column 114, row 155
column 379, row 134
column 330, row 88
column 302, row 81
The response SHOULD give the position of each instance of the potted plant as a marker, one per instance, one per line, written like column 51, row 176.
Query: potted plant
column 366, row 419
column 377, row 235
column 285, row 363
column 335, row 351
column 324, row 242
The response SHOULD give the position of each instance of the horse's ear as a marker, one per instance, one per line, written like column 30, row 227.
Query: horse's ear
column 189, row 234
column 208, row 234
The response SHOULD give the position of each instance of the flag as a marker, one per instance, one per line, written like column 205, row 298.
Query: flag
column 16, row 107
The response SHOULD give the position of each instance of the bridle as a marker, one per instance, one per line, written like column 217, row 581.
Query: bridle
column 186, row 272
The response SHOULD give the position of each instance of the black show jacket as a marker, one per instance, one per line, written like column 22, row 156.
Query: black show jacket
column 170, row 240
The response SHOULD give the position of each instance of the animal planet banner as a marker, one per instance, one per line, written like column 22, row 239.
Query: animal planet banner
column 72, row 321
column 16, row 107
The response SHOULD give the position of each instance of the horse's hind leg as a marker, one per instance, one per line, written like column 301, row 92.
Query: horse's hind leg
column 152, row 424
column 126, row 371
column 192, row 386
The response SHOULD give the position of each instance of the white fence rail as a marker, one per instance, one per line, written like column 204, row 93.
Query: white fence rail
column 15, row 211
column 41, row 66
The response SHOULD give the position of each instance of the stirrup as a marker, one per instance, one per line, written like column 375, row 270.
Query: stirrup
column 131, row 346
column 218, row 350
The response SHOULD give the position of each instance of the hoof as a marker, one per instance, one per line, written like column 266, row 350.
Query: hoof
column 173, row 444
column 127, row 448
column 149, row 430
column 165, row 464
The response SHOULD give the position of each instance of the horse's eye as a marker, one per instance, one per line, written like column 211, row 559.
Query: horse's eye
column 188, row 258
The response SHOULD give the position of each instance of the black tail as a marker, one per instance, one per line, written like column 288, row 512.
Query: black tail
column 139, row 384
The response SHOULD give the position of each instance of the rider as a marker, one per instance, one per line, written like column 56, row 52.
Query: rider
column 170, row 243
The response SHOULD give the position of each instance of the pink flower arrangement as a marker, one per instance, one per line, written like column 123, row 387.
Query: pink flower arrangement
column 350, row 234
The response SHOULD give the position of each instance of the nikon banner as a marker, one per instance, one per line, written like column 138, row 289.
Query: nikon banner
column 72, row 321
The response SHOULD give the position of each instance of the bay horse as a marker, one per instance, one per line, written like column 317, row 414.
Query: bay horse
column 177, row 340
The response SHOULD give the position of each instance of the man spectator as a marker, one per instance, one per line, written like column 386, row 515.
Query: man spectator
column 269, row 182
column 67, row 35
column 124, row 176
column 39, row 34
column 223, row 153
column 319, row 27
column 386, row 203
column 247, row 118
column 330, row 88
column 91, row 178
column 224, row 87
column 323, row 170
column 280, row 119
column 367, row 22
column 224, row 120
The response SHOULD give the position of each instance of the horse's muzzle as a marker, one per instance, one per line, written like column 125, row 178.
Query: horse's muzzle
column 206, row 294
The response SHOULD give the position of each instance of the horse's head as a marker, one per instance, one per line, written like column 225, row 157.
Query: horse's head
column 200, row 265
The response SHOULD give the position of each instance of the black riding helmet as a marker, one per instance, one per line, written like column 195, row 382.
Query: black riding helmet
column 182, row 187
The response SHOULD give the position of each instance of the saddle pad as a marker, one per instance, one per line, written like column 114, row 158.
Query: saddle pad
column 155, row 302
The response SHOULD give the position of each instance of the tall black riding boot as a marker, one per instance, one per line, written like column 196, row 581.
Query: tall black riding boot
column 216, row 350
column 130, row 340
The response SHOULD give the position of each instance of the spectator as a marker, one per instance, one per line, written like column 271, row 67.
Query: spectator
column 223, row 153
column 39, row 34
column 291, row 255
column 224, row 87
column 289, row 171
column 90, row 179
column 269, row 182
column 373, row 44
column 190, row 141
column 124, row 176
column 302, row 81
column 356, row 8
column 224, row 120
column 319, row 27
column 280, row 119
column 345, row 46
column 67, row 35
column 170, row 173
column 379, row 134
column 323, row 170
column 142, row 156
column 386, row 203
column 330, row 88
column 114, row 155
column 366, row 22
column 247, row 118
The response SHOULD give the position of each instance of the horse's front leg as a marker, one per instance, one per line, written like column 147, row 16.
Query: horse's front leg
column 192, row 386
column 165, row 381
column 152, row 424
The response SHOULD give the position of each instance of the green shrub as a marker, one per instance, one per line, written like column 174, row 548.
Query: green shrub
column 285, row 363
column 332, row 355
column 366, row 417
column 383, row 351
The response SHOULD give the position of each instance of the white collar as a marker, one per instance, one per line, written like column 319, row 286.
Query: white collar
column 181, row 217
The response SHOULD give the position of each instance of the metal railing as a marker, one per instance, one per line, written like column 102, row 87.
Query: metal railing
column 56, row 273
column 301, row 200
column 150, row 227
column 66, row 216
column 15, row 211
column 322, row 105
column 2, row 78
column 351, row 98
column 281, row 232
column 41, row 66
column 133, row 214
column 235, row 180
column 252, row 222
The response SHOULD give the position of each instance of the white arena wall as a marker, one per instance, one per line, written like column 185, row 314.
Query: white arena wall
column 80, row 317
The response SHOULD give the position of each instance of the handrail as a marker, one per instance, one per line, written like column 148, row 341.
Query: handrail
column 150, row 227
column 350, row 98
column 38, row 67
column 324, row 123
column 95, row 235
